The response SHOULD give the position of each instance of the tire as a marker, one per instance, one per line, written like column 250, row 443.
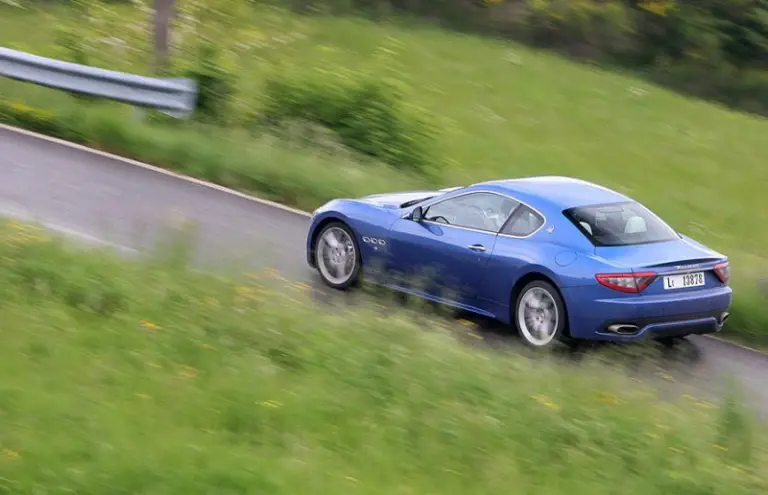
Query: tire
column 554, row 313
column 324, row 266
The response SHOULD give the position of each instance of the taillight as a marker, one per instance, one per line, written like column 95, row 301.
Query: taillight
column 626, row 282
column 723, row 272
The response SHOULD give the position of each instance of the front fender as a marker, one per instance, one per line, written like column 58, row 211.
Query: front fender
column 367, row 221
column 320, row 217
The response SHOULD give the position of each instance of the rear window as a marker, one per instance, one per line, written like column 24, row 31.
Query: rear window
column 620, row 224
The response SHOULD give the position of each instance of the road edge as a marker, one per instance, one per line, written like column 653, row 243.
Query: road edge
column 234, row 192
column 156, row 169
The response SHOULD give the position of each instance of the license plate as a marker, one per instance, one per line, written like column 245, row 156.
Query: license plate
column 684, row 281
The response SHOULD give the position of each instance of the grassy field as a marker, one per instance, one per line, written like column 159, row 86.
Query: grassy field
column 149, row 378
column 503, row 111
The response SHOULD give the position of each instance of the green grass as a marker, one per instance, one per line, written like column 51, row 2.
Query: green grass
column 503, row 110
column 149, row 378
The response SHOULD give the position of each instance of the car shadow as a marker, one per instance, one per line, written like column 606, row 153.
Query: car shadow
column 474, row 330
column 684, row 355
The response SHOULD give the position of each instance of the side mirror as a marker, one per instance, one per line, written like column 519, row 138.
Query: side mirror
column 417, row 215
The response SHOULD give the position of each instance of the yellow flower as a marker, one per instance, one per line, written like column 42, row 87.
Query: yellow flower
column 608, row 398
column 188, row 372
column 148, row 325
column 272, row 404
column 664, row 376
column 546, row 402
column 301, row 286
column 11, row 454
column 658, row 7
column 272, row 273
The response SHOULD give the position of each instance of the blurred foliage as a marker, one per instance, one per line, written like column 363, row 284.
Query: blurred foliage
column 368, row 114
column 727, row 36
column 677, row 42
column 215, row 84
column 155, row 377
column 582, row 27
column 35, row 119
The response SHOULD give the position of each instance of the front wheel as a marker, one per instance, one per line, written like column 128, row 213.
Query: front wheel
column 337, row 256
column 540, row 314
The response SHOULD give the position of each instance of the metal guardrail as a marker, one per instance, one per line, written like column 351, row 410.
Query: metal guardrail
column 175, row 96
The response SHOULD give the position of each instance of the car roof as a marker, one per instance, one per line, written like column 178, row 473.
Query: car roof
column 555, row 191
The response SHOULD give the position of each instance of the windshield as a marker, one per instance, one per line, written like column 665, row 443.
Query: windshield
column 620, row 224
column 415, row 201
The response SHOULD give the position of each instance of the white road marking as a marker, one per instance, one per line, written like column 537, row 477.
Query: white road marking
column 22, row 216
column 215, row 187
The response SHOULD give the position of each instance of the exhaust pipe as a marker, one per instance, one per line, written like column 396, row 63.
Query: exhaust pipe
column 724, row 317
column 623, row 329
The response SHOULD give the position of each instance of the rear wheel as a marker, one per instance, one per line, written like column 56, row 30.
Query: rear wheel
column 540, row 314
column 337, row 256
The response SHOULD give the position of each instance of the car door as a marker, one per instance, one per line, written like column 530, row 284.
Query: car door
column 446, row 253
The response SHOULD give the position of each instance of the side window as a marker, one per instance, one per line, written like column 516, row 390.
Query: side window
column 480, row 211
column 524, row 222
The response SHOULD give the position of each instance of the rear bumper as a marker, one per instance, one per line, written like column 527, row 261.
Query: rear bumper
column 672, row 326
column 636, row 317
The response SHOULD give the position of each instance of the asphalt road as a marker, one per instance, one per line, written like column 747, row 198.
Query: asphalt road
column 105, row 201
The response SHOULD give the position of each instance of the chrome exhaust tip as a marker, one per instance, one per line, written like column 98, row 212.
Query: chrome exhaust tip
column 623, row 329
column 724, row 317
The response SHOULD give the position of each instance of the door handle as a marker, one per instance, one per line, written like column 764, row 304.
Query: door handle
column 477, row 247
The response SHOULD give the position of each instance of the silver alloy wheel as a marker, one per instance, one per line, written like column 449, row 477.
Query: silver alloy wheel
column 336, row 256
column 537, row 316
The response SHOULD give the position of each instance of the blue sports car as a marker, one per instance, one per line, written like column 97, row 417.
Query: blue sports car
column 558, row 258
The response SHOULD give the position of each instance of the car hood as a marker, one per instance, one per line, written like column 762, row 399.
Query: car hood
column 395, row 199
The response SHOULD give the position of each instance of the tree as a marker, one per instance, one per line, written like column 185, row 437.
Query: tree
column 164, row 11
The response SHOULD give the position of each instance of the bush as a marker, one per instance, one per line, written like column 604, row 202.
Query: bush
column 583, row 27
column 369, row 115
column 195, row 383
column 215, row 85
column 746, row 89
column 34, row 119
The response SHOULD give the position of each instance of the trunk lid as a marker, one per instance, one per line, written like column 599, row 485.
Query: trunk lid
column 678, row 261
